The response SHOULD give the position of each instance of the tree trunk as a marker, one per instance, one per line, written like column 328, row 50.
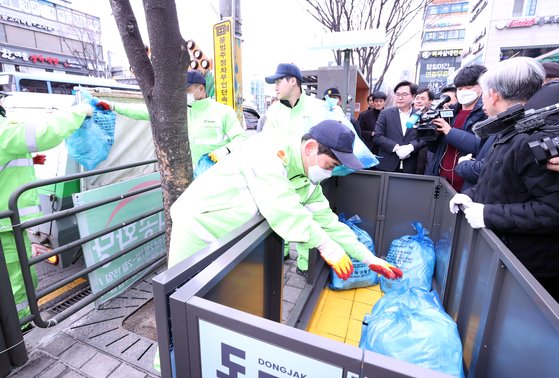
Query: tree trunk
column 163, row 84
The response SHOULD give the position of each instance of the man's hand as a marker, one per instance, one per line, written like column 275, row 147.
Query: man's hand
column 458, row 199
column 382, row 267
column 474, row 214
column 217, row 154
column 84, row 109
column 553, row 164
column 39, row 159
column 442, row 125
column 465, row 158
column 335, row 256
column 105, row 105
column 404, row 151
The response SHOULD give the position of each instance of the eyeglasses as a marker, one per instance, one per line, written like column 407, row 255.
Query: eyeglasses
column 401, row 94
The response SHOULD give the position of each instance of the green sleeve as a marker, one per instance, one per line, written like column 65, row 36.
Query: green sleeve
column 23, row 137
column 279, row 203
column 134, row 111
column 233, row 129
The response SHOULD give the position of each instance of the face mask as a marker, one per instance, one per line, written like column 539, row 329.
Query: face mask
column 331, row 103
column 318, row 174
column 190, row 97
column 466, row 96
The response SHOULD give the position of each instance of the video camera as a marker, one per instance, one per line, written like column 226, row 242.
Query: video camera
column 523, row 122
column 425, row 129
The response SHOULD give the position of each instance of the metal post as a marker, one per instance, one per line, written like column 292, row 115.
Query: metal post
column 345, row 86
column 11, row 337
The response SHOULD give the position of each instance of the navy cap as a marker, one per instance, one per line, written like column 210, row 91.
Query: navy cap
column 195, row 77
column 283, row 70
column 338, row 138
column 332, row 92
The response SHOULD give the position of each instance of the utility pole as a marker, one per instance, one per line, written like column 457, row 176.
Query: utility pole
column 232, row 9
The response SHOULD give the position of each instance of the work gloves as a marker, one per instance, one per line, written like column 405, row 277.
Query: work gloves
column 105, row 105
column 404, row 151
column 382, row 267
column 472, row 210
column 335, row 256
column 218, row 154
column 39, row 159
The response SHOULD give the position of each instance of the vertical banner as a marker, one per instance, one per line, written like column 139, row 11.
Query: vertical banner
column 223, row 63
column 237, row 64
column 99, row 218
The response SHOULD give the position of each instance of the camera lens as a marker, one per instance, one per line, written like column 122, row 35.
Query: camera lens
column 544, row 149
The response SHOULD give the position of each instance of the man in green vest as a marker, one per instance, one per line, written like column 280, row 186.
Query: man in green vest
column 17, row 141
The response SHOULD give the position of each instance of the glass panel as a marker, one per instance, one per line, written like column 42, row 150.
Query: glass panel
column 35, row 86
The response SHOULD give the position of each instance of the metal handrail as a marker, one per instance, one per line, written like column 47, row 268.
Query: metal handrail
column 19, row 227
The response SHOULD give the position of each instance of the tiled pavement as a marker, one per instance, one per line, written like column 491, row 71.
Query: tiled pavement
column 68, row 350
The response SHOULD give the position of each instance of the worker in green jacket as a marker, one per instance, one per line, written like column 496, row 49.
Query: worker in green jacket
column 293, row 115
column 17, row 141
column 213, row 128
column 280, row 181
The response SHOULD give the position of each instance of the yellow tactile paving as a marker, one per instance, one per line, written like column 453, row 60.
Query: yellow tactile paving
column 338, row 314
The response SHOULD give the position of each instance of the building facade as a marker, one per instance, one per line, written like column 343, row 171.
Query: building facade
column 49, row 36
column 444, row 30
column 501, row 29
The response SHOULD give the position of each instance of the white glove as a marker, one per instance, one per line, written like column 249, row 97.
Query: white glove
column 458, row 199
column 465, row 158
column 219, row 153
column 404, row 151
column 474, row 214
column 83, row 108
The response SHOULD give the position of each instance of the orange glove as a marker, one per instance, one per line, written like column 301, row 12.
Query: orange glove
column 335, row 256
column 105, row 105
column 39, row 159
column 382, row 267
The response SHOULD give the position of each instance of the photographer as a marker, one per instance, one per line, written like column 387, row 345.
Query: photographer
column 457, row 139
column 515, row 197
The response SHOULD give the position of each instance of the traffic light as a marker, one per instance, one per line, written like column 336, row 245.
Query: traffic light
column 198, row 60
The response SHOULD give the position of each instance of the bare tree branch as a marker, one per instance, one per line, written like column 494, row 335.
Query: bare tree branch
column 393, row 16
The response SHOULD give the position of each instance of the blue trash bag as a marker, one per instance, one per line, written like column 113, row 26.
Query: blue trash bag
column 105, row 119
column 89, row 145
column 204, row 163
column 415, row 256
column 411, row 325
column 362, row 276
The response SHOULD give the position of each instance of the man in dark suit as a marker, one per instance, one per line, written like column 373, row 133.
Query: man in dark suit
column 398, row 146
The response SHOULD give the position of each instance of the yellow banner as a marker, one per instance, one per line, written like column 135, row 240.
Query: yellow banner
column 223, row 63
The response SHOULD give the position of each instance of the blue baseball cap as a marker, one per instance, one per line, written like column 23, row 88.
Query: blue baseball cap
column 283, row 70
column 195, row 77
column 338, row 138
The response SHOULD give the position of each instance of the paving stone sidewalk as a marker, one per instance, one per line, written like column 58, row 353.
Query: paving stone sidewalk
column 62, row 351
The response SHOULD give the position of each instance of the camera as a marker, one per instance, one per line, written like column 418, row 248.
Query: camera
column 425, row 130
column 544, row 149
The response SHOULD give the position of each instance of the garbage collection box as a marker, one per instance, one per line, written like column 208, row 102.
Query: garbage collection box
column 509, row 325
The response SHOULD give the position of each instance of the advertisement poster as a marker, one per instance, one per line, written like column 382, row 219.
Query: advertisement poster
column 108, row 215
column 436, row 66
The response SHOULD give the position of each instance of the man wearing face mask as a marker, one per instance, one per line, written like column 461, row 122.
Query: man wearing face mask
column 456, row 138
column 279, row 180
column 213, row 128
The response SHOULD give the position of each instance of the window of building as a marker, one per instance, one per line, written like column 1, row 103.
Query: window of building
column 11, row 3
column 48, row 42
column 522, row 8
column 2, row 34
column 19, row 36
